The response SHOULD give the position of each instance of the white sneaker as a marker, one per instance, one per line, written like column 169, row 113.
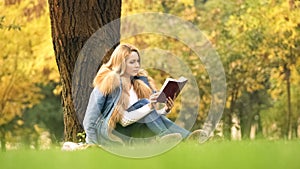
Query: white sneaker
column 170, row 138
column 200, row 135
column 71, row 146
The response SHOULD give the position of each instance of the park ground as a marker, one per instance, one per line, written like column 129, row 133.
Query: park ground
column 261, row 154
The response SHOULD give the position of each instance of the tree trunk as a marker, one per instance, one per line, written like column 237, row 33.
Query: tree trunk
column 228, row 115
column 250, row 120
column 298, row 112
column 72, row 23
column 248, row 124
column 298, row 128
column 289, row 109
column 3, row 140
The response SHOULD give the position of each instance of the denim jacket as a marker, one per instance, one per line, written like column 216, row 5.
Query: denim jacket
column 98, row 113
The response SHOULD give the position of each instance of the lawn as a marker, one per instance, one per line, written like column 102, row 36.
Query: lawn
column 210, row 155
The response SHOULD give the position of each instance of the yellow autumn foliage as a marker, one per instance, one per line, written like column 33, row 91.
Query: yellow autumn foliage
column 27, row 59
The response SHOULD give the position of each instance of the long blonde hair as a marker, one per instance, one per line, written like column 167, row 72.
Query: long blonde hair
column 110, row 76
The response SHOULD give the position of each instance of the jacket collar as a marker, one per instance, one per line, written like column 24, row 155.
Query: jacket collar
column 142, row 78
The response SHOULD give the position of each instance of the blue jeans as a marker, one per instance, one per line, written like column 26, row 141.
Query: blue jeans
column 151, row 124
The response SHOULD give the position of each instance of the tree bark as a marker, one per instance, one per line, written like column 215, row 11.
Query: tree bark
column 3, row 139
column 298, row 128
column 72, row 24
column 228, row 115
column 289, row 108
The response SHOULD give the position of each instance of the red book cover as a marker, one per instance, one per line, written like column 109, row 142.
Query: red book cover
column 171, row 88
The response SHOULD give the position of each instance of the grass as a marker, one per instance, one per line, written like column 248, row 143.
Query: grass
column 211, row 155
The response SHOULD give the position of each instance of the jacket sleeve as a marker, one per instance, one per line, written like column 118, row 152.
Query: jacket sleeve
column 135, row 112
column 92, row 115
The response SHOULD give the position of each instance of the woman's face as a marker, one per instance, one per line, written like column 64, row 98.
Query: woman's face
column 132, row 65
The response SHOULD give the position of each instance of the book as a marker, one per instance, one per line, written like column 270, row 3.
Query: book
column 171, row 88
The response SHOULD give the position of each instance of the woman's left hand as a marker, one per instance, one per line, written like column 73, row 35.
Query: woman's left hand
column 169, row 104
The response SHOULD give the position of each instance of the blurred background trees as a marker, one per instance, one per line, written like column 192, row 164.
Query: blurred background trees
column 29, row 91
column 258, row 42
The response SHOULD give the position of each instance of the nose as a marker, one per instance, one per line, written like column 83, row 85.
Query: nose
column 137, row 64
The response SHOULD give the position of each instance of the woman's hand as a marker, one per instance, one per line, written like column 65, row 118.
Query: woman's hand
column 169, row 104
column 153, row 100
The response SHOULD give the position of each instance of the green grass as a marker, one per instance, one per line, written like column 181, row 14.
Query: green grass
column 211, row 155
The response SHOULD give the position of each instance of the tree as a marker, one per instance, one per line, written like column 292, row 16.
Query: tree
column 25, row 64
column 282, row 53
column 73, row 22
column 262, row 56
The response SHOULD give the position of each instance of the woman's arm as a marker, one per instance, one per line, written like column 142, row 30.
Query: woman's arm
column 92, row 114
column 162, row 111
column 135, row 115
column 139, row 110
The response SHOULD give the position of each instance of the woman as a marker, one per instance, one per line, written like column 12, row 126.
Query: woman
column 123, row 98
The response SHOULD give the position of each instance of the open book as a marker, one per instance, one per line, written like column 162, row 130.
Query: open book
column 171, row 88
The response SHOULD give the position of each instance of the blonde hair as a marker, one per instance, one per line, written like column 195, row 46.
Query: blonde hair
column 118, row 58
column 109, row 76
column 111, row 71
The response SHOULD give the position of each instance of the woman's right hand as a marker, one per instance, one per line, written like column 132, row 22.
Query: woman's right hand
column 153, row 99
